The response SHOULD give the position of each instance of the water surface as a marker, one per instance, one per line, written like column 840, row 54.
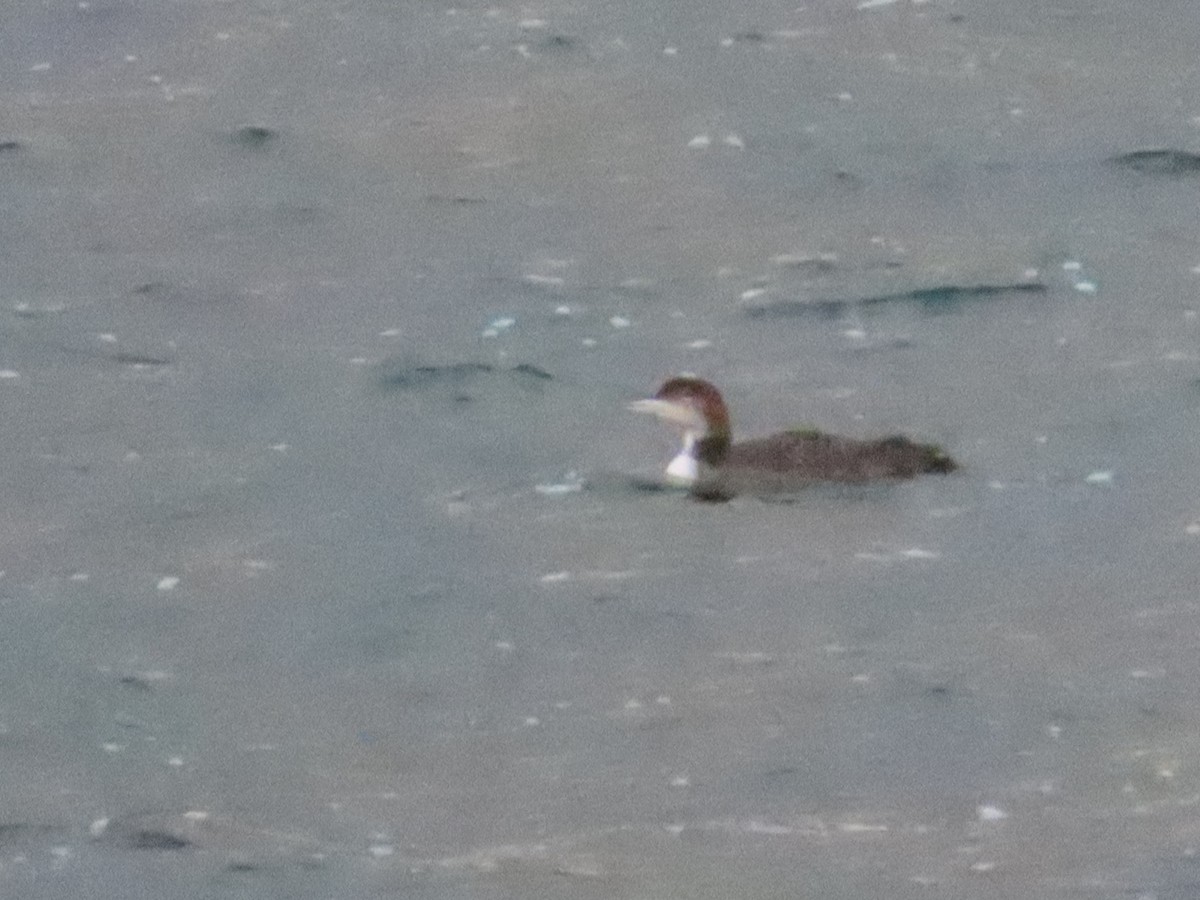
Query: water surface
column 303, row 303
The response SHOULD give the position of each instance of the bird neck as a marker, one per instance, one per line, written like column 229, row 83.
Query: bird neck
column 709, row 448
column 713, row 448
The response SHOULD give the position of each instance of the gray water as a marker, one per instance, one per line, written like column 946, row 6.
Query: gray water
column 322, row 571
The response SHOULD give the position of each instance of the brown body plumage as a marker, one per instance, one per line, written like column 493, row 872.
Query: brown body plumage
column 712, row 465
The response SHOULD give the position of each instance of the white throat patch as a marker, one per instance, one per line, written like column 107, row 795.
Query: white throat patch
column 684, row 469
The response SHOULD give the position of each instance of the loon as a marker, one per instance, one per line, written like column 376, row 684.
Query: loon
column 715, row 468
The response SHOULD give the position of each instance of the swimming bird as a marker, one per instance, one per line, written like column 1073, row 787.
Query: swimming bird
column 713, row 467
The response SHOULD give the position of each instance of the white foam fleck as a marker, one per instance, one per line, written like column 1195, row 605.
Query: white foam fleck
column 1157, row 672
column 700, row 344
column 489, row 859
column 98, row 827
column 9, row 373
column 558, row 489
column 734, row 140
column 496, row 326
column 990, row 813
column 1100, row 476
column 168, row 583
column 619, row 322
column 699, row 142
column 61, row 853
column 555, row 577
column 897, row 555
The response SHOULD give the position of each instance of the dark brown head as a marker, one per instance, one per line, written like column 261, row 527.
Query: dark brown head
column 699, row 395
column 692, row 404
column 696, row 407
